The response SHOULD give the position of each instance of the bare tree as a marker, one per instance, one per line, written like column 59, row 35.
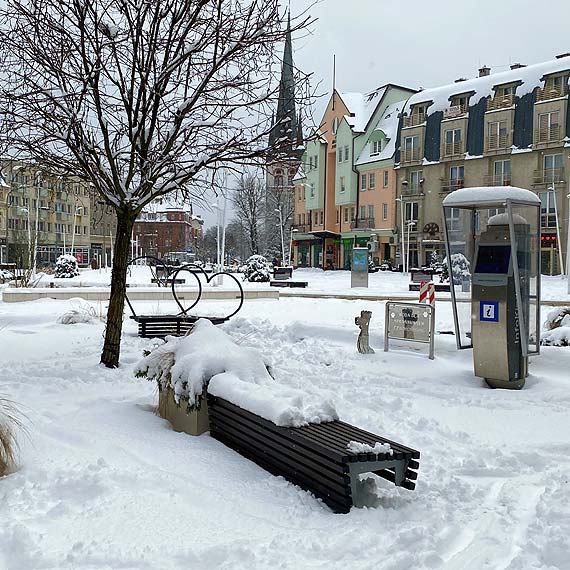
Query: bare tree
column 139, row 99
column 248, row 200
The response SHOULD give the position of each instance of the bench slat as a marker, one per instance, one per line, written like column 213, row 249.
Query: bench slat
column 316, row 463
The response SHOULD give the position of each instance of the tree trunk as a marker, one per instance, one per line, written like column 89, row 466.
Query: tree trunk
column 112, row 347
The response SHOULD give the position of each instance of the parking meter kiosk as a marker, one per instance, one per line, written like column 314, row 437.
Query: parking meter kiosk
column 496, row 242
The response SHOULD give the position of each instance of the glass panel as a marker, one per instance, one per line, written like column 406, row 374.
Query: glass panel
column 460, row 247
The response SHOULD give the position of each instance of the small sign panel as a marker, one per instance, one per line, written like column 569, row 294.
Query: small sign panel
column 489, row 311
column 410, row 322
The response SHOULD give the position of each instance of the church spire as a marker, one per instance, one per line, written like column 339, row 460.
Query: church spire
column 284, row 126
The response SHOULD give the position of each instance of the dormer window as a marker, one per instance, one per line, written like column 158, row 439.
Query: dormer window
column 376, row 147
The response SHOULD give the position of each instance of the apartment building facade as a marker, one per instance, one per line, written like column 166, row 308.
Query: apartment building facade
column 508, row 128
column 345, row 191
column 46, row 212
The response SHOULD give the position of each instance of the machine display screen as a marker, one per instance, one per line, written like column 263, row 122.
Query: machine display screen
column 493, row 259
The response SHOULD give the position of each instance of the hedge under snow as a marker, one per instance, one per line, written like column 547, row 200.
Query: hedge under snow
column 208, row 357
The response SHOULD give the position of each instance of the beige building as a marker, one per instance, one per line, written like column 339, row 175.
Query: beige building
column 509, row 128
column 46, row 212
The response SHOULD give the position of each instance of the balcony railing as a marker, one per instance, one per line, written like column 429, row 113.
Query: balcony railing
column 414, row 120
column 452, row 149
column 497, row 142
column 302, row 228
column 552, row 92
column 454, row 111
column 547, row 134
column 497, row 180
column 362, row 224
column 504, row 102
column 410, row 155
column 549, row 176
column 452, row 184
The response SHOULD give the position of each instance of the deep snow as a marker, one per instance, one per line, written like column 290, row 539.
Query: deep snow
column 105, row 484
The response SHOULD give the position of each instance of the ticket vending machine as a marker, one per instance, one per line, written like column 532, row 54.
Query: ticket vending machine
column 492, row 238
column 496, row 333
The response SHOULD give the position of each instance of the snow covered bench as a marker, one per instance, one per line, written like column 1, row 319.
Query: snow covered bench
column 325, row 458
column 159, row 326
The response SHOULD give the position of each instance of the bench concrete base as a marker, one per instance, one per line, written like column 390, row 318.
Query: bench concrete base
column 192, row 423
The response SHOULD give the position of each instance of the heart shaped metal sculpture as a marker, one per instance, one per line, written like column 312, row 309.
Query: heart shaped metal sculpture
column 195, row 270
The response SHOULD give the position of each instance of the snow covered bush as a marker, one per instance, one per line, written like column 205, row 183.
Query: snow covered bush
column 257, row 269
column 460, row 267
column 66, row 266
column 8, row 445
column 79, row 313
column 208, row 358
column 557, row 328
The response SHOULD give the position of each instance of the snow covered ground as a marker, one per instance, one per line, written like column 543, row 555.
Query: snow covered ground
column 105, row 484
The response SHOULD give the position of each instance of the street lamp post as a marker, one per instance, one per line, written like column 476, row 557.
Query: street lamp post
column 402, row 240
column 31, row 263
column 293, row 230
column 410, row 224
column 552, row 189
column 281, row 231
column 77, row 210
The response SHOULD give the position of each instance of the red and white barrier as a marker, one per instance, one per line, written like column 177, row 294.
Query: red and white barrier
column 427, row 292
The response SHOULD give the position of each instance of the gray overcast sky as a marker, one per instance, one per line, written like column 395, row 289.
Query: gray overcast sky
column 422, row 43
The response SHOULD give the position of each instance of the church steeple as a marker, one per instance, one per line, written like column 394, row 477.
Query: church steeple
column 285, row 131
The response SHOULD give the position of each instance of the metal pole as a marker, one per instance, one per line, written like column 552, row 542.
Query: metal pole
column 37, row 231
column 408, row 248
column 568, row 244
column 558, row 244
column 402, row 240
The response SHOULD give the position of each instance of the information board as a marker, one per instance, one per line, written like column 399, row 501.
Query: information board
column 409, row 322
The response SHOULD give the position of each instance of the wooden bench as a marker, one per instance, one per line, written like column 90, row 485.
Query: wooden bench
column 315, row 457
column 159, row 326
column 289, row 283
column 282, row 272
column 168, row 280
column 439, row 287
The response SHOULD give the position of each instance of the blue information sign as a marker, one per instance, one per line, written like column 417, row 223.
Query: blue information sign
column 360, row 259
column 489, row 311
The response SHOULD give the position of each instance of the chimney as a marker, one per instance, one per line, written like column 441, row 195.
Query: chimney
column 563, row 55
column 484, row 71
column 517, row 65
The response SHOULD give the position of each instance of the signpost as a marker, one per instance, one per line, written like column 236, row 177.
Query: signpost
column 409, row 322
column 359, row 269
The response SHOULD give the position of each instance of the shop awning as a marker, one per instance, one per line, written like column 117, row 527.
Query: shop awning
column 326, row 234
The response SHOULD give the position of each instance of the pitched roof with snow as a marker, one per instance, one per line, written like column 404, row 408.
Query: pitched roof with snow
column 388, row 124
column 527, row 78
column 361, row 107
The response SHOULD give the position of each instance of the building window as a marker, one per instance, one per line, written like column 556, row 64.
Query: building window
column 335, row 125
column 371, row 181
column 352, row 214
column 363, row 181
column 370, row 212
column 497, row 135
column 362, row 212
column 457, row 176
column 315, row 217
column 547, row 209
column 340, row 154
column 548, row 127
column 375, row 147
column 342, row 183
column 322, row 215
column 452, row 142
column 316, row 161
column 384, row 211
column 386, row 178
column 346, row 215
column 553, row 168
column 299, row 218
column 12, row 200
column 346, row 152
column 310, row 163
column 300, row 193
column 411, row 148
column 502, row 173
column 454, row 219
column 416, row 179
column 338, row 215
column 411, row 211
column 312, row 190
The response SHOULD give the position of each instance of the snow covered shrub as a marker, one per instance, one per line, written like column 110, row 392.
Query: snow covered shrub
column 257, row 269
column 66, row 266
column 79, row 313
column 460, row 268
column 557, row 328
column 8, row 444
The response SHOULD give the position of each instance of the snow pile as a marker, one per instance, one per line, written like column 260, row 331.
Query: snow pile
column 557, row 328
column 66, row 267
column 208, row 357
column 257, row 269
column 358, row 447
